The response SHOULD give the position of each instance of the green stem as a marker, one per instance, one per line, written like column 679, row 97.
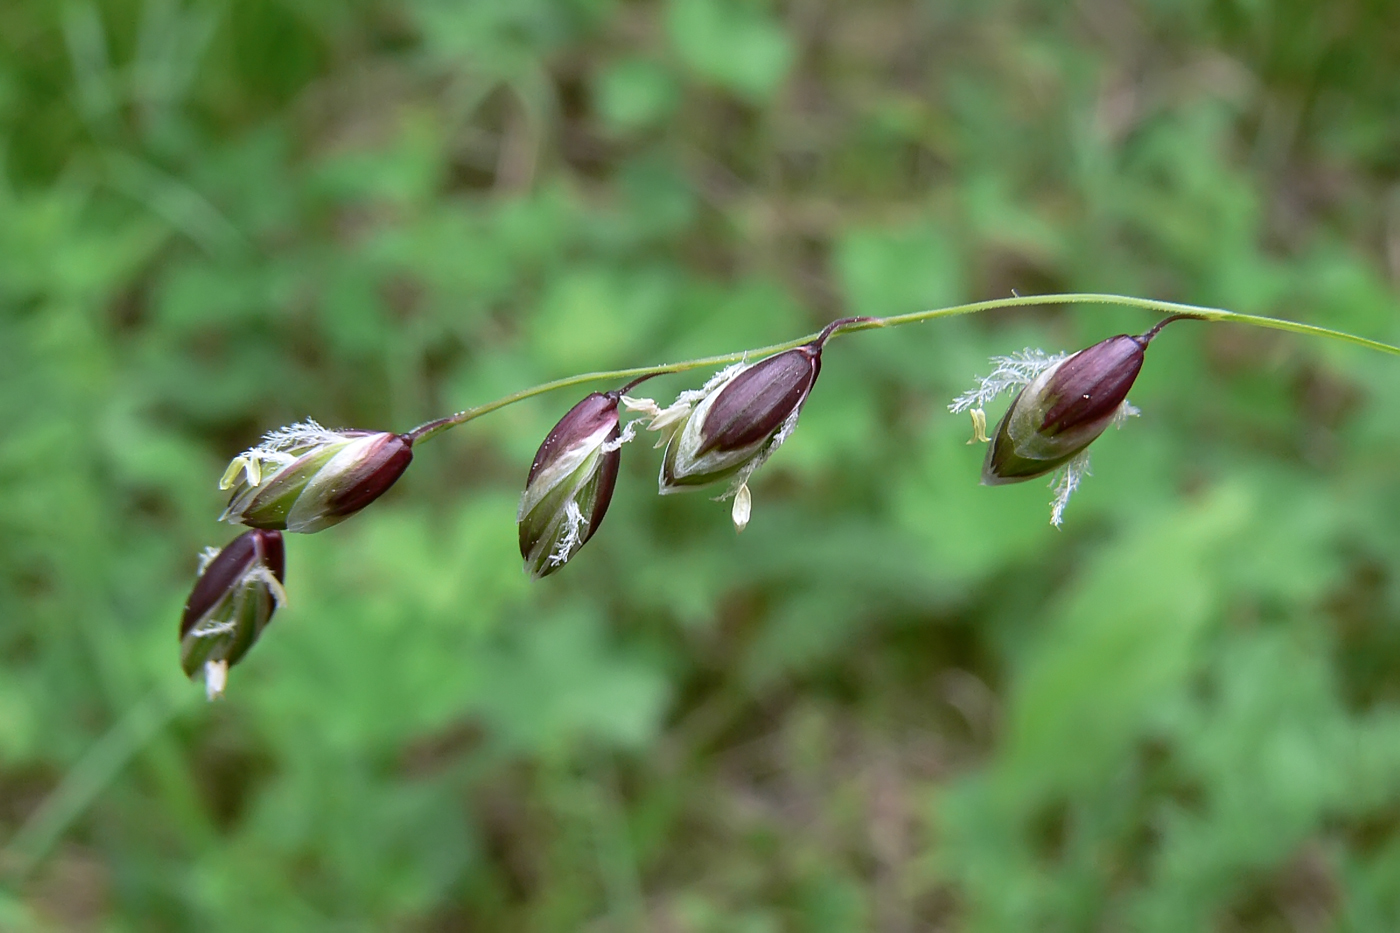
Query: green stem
column 433, row 428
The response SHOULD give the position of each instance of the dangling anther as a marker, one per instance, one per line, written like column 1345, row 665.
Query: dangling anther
column 979, row 426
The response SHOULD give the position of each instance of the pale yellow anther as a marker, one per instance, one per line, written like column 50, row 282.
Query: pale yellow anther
column 646, row 406
column 979, row 426
column 215, row 679
column 236, row 466
column 249, row 464
column 743, row 506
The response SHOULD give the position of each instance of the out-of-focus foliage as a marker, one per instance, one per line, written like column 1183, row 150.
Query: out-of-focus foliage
column 899, row 701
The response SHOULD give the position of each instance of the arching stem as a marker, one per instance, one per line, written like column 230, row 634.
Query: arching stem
column 851, row 325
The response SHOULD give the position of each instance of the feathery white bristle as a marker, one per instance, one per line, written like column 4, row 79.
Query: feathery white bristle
column 206, row 557
column 1065, row 481
column 1018, row 369
column 574, row 523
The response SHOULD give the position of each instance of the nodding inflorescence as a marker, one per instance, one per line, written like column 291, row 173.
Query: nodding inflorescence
column 305, row 478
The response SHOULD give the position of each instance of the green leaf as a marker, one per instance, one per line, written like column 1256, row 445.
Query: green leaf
column 636, row 93
column 734, row 44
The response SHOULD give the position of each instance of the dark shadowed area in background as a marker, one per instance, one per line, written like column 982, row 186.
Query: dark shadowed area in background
column 898, row 702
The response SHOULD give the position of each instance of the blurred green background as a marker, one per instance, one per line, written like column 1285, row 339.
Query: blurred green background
column 900, row 701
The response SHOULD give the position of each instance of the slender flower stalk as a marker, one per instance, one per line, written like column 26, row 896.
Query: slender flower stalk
column 437, row 426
